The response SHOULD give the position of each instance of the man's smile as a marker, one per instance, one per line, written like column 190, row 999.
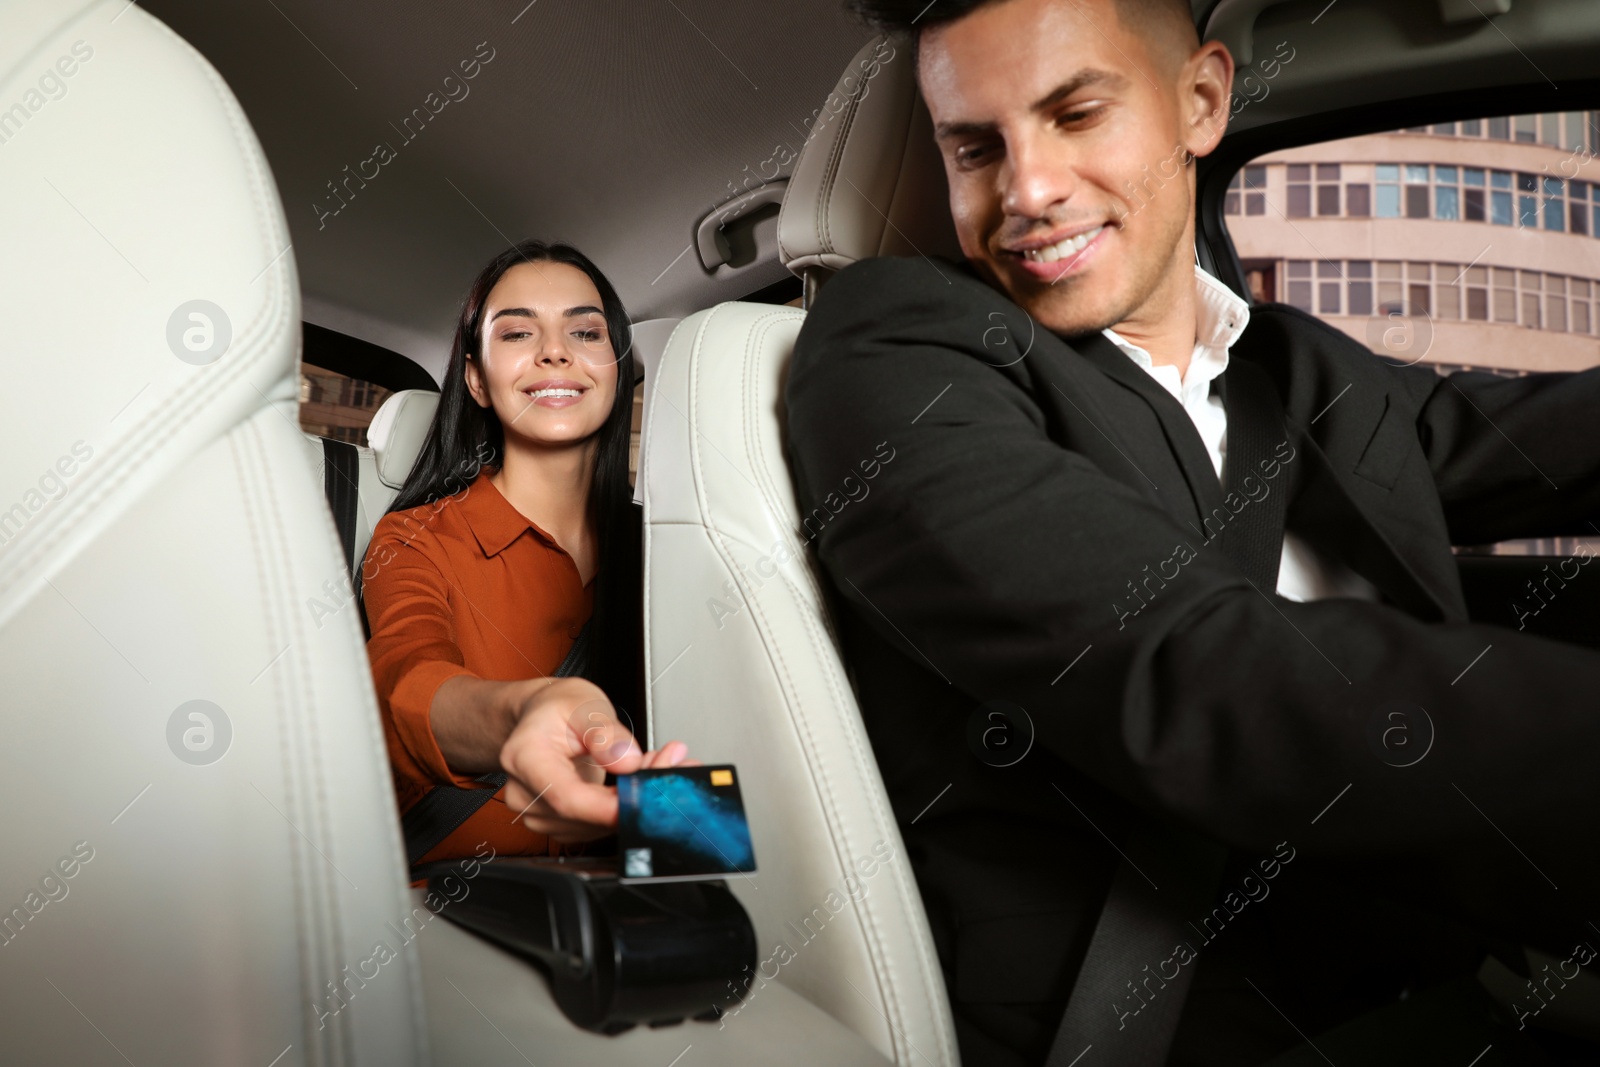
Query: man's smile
column 1051, row 258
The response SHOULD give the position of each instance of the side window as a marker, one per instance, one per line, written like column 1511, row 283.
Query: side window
column 634, row 435
column 1461, row 245
column 337, row 406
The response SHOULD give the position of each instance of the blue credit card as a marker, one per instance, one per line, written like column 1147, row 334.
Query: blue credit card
column 682, row 823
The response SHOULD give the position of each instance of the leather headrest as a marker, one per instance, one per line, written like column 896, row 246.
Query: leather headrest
column 397, row 431
column 151, row 297
column 869, row 180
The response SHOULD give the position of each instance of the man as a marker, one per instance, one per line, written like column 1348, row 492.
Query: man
column 1059, row 558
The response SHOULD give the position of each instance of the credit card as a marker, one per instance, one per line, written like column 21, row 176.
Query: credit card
column 680, row 823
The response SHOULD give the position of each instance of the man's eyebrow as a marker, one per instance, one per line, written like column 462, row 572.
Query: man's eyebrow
column 1081, row 80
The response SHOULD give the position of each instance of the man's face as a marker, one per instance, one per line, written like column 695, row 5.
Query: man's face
column 1065, row 137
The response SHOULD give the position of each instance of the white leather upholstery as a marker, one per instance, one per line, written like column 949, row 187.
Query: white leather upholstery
column 745, row 669
column 869, row 180
column 397, row 431
column 162, row 534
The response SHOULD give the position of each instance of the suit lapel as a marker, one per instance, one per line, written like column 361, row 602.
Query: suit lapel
column 1328, row 510
column 1205, row 490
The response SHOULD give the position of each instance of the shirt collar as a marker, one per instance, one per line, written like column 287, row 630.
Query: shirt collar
column 492, row 519
column 1220, row 317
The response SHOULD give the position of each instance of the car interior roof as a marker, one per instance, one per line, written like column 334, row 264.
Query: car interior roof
column 617, row 125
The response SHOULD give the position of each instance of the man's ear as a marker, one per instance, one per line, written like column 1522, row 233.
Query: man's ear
column 474, row 376
column 1208, row 91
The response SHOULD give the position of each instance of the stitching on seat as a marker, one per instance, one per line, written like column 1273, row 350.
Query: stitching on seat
column 888, row 984
column 879, row 960
column 854, row 735
column 303, row 708
column 244, row 446
column 824, row 213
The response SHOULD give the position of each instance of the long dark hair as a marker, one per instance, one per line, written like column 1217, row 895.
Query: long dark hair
column 465, row 437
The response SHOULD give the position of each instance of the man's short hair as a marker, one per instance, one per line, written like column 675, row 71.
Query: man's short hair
column 911, row 17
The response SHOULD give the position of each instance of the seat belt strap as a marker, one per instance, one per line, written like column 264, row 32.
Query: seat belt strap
column 1130, row 990
column 340, row 470
column 1125, row 1004
column 445, row 807
column 1256, row 427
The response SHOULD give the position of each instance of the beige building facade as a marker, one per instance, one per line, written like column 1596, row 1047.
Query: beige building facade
column 1465, row 244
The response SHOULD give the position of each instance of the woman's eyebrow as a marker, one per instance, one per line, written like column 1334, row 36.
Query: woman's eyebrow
column 524, row 312
column 586, row 309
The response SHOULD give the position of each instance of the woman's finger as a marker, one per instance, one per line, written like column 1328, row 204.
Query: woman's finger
column 568, row 730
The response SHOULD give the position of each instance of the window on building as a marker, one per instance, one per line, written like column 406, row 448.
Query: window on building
column 1555, row 205
column 1359, row 273
column 1447, row 291
column 1416, row 191
column 1299, row 191
column 1505, row 295
column 1327, row 189
column 1255, row 196
column 1555, row 302
column 1499, row 129
column 1500, row 199
column 1528, row 201
column 1530, row 298
column 1419, row 302
column 1577, row 123
column 1477, row 281
column 1446, row 194
column 1330, row 287
column 1527, row 128
column 1473, row 202
column 1390, row 289
column 1358, row 200
column 1388, row 175
column 1299, row 274
column 1550, row 130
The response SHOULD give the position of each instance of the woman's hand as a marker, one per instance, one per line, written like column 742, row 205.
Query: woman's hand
column 566, row 737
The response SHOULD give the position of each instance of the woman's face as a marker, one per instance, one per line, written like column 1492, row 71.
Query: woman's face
column 547, row 366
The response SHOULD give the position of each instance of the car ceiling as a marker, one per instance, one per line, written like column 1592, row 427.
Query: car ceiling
column 615, row 125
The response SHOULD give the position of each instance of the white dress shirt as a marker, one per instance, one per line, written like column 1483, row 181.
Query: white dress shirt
column 1220, row 317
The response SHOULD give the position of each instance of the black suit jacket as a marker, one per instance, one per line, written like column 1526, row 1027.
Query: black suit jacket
column 1039, row 536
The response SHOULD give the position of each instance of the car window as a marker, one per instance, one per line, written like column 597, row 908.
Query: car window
column 634, row 436
column 1461, row 245
column 336, row 405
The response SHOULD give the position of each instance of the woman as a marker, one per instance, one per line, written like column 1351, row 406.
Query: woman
column 513, row 533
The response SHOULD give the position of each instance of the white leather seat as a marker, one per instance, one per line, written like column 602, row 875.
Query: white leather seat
column 742, row 661
column 229, row 859
column 396, row 433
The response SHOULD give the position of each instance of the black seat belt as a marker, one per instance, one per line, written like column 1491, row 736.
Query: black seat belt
column 1123, row 1006
column 445, row 807
column 341, row 467
column 1168, row 876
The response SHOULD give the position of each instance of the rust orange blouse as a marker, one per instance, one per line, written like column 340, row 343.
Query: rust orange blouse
column 465, row 585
